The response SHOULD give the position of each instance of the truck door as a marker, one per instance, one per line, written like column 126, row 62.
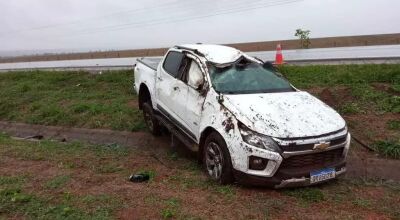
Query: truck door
column 171, row 90
column 195, row 80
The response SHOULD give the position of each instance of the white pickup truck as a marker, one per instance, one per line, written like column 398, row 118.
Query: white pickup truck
column 245, row 120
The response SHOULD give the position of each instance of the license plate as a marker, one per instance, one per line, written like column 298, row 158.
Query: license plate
column 322, row 175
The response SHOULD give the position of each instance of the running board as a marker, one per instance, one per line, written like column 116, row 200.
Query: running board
column 184, row 138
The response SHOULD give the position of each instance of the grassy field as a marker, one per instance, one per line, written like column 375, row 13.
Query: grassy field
column 368, row 96
column 50, row 180
column 70, row 99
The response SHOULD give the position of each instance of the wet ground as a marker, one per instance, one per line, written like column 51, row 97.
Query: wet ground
column 72, row 180
column 362, row 163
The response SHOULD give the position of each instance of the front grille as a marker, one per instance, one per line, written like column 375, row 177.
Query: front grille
column 339, row 140
column 301, row 147
column 321, row 159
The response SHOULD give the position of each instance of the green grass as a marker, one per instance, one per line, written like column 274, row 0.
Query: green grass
column 101, row 205
column 15, row 201
column 168, row 213
column 350, row 108
column 388, row 148
column 226, row 190
column 319, row 75
column 396, row 88
column 394, row 125
column 172, row 155
column 348, row 189
column 98, row 158
column 362, row 203
column 12, row 180
column 80, row 99
column 306, row 195
column 109, row 168
column 368, row 97
column 171, row 209
column 76, row 99
column 57, row 182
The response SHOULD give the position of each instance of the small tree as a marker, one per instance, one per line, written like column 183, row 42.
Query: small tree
column 304, row 36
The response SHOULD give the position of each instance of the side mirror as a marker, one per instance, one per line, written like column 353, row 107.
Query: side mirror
column 269, row 66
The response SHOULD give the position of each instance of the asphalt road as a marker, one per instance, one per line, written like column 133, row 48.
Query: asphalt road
column 338, row 55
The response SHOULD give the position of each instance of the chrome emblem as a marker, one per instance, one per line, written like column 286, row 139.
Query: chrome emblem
column 321, row 146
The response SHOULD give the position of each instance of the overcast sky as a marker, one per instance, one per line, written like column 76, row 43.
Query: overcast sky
column 126, row 24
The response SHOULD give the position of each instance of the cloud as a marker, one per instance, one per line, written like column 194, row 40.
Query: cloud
column 122, row 24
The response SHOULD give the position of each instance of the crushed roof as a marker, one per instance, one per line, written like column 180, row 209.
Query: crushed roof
column 216, row 53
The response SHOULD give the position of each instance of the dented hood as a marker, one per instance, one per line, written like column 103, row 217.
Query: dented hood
column 284, row 115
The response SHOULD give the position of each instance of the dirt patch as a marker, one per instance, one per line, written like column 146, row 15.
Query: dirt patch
column 364, row 164
column 137, row 213
column 134, row 104
column 372, row 127
column 327, row 97
column 13, row 166
column 333, row 96
column 384, row 87
column 92, row 136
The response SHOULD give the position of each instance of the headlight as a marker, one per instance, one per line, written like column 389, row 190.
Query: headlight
column 257, row 140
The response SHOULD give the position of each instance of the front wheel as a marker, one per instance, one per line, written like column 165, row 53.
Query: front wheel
column 217, row 160
column 151, row 122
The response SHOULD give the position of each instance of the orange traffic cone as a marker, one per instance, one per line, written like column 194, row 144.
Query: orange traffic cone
column 279, row 55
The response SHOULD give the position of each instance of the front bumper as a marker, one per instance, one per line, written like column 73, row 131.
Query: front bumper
column 286, row 178
column 294, row 167
column 296, row 182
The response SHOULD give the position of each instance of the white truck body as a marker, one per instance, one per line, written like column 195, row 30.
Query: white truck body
column 299, row 127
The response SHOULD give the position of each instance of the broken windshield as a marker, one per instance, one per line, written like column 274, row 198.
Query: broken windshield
column 244, row 77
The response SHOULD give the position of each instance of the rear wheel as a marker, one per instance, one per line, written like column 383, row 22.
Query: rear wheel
column 217, row 160
column 151, row 122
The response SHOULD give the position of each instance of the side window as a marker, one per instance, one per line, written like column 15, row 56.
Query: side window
column 173, row 62
column 195, row 76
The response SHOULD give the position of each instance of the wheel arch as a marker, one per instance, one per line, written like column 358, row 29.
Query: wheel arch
column 144, row 95
column 206, row 132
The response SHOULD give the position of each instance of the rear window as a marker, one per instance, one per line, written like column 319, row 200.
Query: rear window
column 173, row 62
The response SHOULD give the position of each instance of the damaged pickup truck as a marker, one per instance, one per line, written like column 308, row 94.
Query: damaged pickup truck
column 245, row 120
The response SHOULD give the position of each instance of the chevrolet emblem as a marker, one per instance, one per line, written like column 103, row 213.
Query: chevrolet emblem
column 321, row 146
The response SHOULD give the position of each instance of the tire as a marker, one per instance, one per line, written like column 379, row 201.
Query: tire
column 151, row 122
column 218, row 165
